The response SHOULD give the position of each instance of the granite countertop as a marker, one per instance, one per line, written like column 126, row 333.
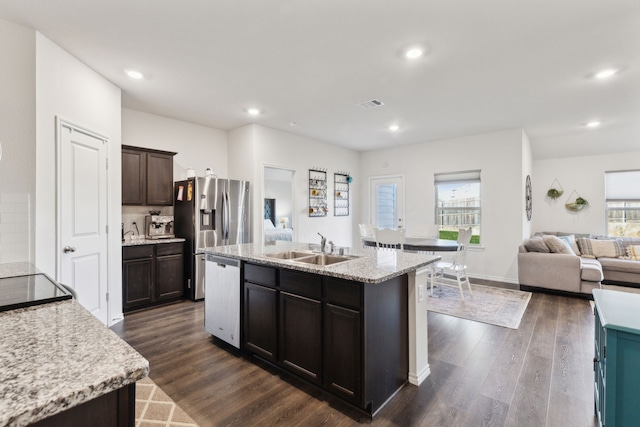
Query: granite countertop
column 151, row 241
column 371, row 265
column 56, row 356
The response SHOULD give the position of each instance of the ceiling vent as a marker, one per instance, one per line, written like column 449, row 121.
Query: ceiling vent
column 372, row 103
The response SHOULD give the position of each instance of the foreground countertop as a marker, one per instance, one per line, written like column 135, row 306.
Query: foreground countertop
column 139, row 242
column 372, row 265
column 56, row 356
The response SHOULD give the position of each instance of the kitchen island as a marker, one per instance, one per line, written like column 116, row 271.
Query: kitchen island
column 356, row 328
column 62, row 366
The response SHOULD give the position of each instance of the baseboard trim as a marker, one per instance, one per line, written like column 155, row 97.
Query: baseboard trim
column 555, row 292
column 418, row 379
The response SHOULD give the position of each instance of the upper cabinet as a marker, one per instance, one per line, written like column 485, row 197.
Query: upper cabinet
column 147, row 176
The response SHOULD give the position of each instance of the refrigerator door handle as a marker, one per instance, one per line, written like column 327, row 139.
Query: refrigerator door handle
column 226, row 226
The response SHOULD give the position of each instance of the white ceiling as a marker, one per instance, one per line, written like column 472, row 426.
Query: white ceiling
column 492, row 64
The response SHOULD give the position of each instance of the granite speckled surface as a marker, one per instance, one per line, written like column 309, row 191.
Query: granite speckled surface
column 371, row 265
column 11, row 269
column 151, row 241
column 56, row 356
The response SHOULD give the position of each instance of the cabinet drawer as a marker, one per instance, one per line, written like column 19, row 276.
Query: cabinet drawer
column 302, row 284
column 262, row 275
column 133, row 252
column 343, row 292
column 169, row 248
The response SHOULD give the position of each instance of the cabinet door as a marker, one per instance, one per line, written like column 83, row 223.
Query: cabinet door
column 169, row 277
column 260, row 321
column 159, row 179
column 301, row 336
column 134, row 182
column 137, row 279
column 342, row 352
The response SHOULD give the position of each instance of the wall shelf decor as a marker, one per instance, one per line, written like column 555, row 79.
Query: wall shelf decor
column 341, row 182
column 556, row 190
column 578, row 204
column 318, row 192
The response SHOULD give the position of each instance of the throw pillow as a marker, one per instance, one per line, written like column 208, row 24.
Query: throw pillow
column 557, row 246
column 535, row 244
column 633, row 252
column 597, row 248
column 571, row 241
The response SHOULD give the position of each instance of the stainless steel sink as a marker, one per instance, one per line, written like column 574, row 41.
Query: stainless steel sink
column 324, row 259
column 309, row 257
column 289, row 254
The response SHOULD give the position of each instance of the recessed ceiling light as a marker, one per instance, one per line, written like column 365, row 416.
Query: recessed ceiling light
column 414, row 52
column 593, row 124
column 253, row 111
column 134, row 74
column 606, row 73
column 394, row 128
column 293, row 124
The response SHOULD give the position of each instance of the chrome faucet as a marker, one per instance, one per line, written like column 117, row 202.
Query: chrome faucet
column 323, row 242
column 331, row 246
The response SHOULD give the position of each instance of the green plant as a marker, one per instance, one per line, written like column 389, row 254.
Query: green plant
column 581, row 201
column 554, row 193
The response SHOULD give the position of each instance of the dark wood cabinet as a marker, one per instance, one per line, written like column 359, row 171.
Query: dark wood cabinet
column 151, row 274
column 260, row 320
column 169, row 282
column 147, row 176
column 300, row 334
column 342, row 352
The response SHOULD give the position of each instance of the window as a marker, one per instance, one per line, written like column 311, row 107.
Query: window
column 622, row 203
column 458, row 204
column 386, row 206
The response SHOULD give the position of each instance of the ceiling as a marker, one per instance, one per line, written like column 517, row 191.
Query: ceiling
column 491, row 65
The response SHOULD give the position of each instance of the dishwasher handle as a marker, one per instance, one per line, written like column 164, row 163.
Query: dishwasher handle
column 223, row 262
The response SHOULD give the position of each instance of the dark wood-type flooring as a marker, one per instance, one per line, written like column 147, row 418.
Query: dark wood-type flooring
column 481, row 375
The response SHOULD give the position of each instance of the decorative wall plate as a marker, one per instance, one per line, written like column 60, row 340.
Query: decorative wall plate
column 527, row 197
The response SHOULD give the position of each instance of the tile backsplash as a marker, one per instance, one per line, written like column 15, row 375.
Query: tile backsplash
column 15, row 211
column 131, row 214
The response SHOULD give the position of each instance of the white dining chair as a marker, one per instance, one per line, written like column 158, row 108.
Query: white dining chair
column 443, row 270
column 390, row 238
column 367, row 232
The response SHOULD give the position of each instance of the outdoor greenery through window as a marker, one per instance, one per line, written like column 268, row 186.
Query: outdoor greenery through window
column 458, row 204
column 623, row 203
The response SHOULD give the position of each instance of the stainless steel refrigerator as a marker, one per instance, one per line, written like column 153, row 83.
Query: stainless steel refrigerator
column 209, row 212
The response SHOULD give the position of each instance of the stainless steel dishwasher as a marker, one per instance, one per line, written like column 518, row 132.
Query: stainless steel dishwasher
column 222, row 298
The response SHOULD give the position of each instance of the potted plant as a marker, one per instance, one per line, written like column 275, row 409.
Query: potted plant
column 554, row 193
column 578, row 204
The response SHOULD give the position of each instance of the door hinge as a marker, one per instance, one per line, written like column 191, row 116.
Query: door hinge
column 107, row 296
column 107, row 163
column 106, row 227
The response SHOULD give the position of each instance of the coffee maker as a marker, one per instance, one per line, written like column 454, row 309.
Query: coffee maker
column 159, row 226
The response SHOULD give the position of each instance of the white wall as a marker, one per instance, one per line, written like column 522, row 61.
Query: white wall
column 198, row 147
column 583, row 174
column 18, row 139
column 68, row 89
column 499, row 157
column 281, row 149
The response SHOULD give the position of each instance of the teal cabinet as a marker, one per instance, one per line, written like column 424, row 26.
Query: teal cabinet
column 617, row 358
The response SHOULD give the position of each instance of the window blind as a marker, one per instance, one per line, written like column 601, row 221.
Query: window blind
column 622, row 185
column 451, row 177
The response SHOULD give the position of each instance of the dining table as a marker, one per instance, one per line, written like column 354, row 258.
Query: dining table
column 421, row 244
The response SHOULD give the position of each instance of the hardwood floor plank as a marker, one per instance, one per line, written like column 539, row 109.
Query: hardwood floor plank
column 481, row 375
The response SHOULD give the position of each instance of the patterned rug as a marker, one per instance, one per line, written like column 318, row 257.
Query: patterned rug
column 496, row 306
column 154, row 408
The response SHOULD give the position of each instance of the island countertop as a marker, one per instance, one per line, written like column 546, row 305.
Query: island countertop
column 371, row 265
column 56, row 356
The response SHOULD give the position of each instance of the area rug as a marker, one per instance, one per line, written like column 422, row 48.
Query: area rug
column 155, row 408
column 496, row 306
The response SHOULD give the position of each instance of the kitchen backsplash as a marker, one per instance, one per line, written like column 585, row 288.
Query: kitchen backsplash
column 14, row 227
column 131, row 214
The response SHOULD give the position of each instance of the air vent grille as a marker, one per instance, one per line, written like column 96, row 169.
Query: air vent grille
column 372, row 103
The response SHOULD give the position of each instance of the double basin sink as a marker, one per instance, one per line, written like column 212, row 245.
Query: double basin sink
column 306, row 257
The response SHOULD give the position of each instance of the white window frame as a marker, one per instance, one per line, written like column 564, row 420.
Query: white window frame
column 473, row 176
column 621, row 187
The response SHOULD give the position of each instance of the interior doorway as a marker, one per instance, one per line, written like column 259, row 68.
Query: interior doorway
column 278, row 212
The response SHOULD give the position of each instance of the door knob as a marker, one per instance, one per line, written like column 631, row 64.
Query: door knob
column 68, row 249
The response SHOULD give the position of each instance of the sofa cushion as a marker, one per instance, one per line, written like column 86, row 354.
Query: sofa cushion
column 536, row 244
column 571, row 241
column 596, row 248
column 633, row 252
column 622, row 265
column 556, row 245
column 590, row 270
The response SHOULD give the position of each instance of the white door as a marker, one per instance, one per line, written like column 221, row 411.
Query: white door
column 82, row 216
column 387, row 201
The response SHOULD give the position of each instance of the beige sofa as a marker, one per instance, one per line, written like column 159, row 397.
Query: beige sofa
column 589, row 264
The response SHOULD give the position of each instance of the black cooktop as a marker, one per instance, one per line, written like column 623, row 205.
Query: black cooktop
column 33, row 289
